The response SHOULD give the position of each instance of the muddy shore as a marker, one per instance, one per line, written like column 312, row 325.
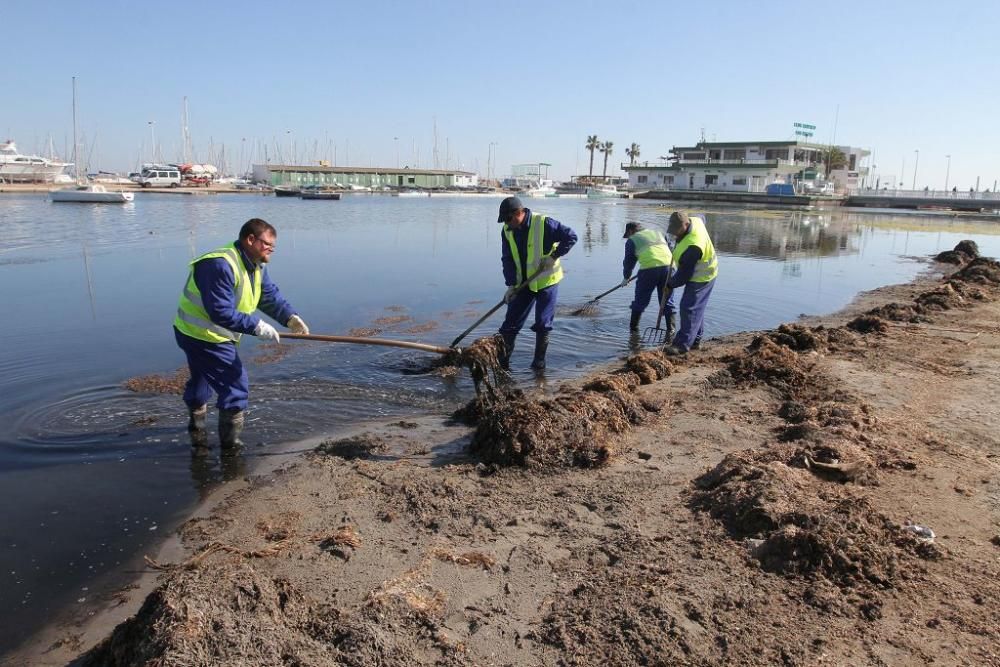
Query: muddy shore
column 770, row 499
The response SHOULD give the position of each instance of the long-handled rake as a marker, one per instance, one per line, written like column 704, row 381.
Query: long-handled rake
column 589, row 308
column 495, row 308
column 657, row 335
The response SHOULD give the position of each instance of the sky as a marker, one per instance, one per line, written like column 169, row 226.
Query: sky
column 367, row 83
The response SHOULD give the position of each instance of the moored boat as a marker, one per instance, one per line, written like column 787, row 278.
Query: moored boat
column 91, row 194
column 320, row 194
column 603, row 191
column 287, row 191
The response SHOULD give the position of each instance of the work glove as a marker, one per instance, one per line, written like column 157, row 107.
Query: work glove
column 625, row 282
column 547, row 263
column 266, row 331
column 509, row 295
column 297, row 325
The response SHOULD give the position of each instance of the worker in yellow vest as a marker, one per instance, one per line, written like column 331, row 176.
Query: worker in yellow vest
column 647, row 248
column 223, row 290
column 530, row 243
column 695, row 269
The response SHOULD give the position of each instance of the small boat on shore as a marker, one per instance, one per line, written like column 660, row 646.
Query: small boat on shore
column 287, row 191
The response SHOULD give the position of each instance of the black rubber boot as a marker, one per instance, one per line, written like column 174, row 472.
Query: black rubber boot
column 230, row 427
column 196, row 426
column 541, row 345
column 633, row 324
column 671, row 326
column 508, row 344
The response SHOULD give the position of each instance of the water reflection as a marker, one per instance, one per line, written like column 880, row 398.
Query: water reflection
column 797, row 235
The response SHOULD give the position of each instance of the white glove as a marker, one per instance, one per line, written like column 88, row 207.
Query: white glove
column 266, row 331
column 547, row 263
column 297, row 325
column 508, row 296
column 625, row 282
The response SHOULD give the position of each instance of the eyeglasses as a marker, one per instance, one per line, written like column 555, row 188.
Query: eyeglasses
column 266, row 244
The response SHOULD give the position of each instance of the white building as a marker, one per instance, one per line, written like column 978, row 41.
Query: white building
column 746, row 166
column 368, row 177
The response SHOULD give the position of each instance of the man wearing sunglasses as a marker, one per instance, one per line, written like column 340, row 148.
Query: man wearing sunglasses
column 223, row 290
column 531, row 246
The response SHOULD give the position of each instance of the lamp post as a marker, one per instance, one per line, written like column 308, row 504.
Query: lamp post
column 916, row 163
column 152, row 139
column 947, row 173
column 289, row 158
column 396, row 141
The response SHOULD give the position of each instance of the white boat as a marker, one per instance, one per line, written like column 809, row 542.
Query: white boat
column 87, row 193
column 542, row 188
column 603, row 191
column 18, row 168
column 94, row 193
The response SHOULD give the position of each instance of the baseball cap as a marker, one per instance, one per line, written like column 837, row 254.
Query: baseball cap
column 507, row 208
column 631, row 228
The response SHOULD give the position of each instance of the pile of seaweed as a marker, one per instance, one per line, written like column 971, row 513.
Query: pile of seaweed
column 240, row 615
column 959, row 290
column 575, row 427
column 159, row 384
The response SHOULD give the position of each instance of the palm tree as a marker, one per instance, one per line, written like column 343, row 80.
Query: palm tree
column 633, row 153
column 592, row 145
column 607, row 148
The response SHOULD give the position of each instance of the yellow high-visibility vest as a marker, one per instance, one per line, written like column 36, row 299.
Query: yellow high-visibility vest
column 651, row 248
column 536, row 236
column 707, row 267
column 191, row 318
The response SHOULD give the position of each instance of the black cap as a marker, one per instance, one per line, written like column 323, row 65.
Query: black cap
column 507, row 208
column 631, row 228
column 678, row 219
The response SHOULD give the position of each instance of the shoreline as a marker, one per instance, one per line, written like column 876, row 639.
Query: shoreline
column 430, row 454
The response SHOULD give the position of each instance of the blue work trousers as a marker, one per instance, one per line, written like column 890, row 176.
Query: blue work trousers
column 645, row 282
column 214, row 367
column 692, row 311
column 544, row 302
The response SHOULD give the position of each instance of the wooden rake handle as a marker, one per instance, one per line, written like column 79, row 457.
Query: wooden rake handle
column 359, row 340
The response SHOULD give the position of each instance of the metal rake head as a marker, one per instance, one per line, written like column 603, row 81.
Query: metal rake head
column 654, row 335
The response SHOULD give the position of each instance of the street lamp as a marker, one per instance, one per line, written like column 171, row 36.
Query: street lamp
column 396, row 141
column 152, row 139
column 916, row 162
column 947, row 173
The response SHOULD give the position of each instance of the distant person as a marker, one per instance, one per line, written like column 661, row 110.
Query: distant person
column 972, row 193
column 531, row 242
column 696, row 269
column 224, row 288
column 954, row 191
column 649, row 249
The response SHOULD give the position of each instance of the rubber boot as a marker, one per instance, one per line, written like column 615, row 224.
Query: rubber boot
column 633, row 324
column 671, row 326
column 196, row 426
column 230, row 427
column 541, row 345
column 508, row 345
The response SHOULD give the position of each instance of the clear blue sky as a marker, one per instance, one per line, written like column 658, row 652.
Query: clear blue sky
column 533, row 77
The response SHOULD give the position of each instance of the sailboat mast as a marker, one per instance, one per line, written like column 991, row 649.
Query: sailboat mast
column 76, row 160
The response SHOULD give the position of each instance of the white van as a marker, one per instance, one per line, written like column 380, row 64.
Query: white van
column 160, row 177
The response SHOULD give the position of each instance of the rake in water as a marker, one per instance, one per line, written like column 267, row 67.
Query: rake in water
column 589, row 308
column 657, row 335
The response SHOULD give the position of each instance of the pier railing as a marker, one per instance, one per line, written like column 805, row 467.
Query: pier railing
column 927, row 194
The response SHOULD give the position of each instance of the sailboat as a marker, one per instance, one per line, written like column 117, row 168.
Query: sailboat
column 83, row 192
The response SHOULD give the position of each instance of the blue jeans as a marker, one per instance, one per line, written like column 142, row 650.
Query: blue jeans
column 544, row 302
column 215, row 367
column 692, row 311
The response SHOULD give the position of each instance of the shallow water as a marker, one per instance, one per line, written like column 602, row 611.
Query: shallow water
column 92, row 476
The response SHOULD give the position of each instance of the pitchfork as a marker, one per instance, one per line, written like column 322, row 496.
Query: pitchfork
column 657, row 335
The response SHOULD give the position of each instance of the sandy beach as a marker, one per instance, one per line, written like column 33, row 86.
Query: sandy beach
column 823, row 493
